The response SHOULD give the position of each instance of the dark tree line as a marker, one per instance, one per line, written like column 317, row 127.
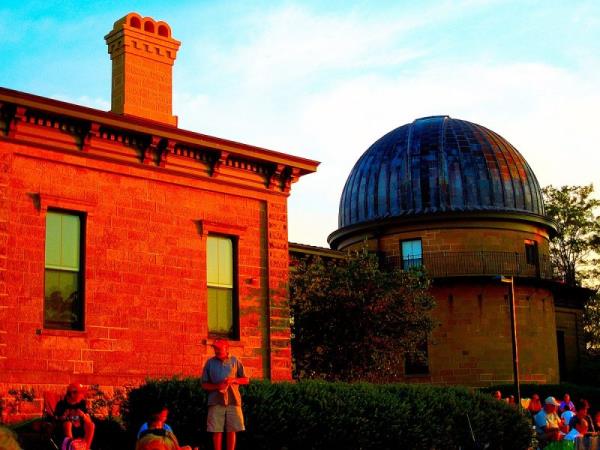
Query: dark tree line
column 575, row 250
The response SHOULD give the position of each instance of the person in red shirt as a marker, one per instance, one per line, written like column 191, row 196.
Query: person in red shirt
column 535, row 405
column 72, row 412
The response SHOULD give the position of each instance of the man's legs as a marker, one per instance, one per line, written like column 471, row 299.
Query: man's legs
column 215, row 424
column 231, row 440
column 217, row 440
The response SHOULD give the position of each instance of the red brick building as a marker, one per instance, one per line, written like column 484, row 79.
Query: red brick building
column 126, row 243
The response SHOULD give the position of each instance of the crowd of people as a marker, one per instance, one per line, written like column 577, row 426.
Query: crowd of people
column 556, row 421
column 221, row 377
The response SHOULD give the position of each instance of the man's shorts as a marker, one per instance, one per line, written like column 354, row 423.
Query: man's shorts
column 224, row 418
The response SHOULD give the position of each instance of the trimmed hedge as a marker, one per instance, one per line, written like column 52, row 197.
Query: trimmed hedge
column 590, row 393
column 319, row 415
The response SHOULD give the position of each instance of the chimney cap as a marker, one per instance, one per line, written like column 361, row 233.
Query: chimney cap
column 147, row 25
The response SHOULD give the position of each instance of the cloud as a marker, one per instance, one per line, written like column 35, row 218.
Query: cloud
column 326, row 87
column 294, row 44
column 546, row 112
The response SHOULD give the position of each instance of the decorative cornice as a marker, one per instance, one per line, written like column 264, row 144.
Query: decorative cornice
column 217, row 162
column 92, row 134
column 152, row 145
column 204, row 155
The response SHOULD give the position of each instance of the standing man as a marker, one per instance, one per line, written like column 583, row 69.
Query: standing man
column 221, row 377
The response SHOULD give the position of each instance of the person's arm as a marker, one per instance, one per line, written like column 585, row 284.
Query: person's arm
column 215, row 387
column 242, row 380
column 562, row 426
column 240, row 376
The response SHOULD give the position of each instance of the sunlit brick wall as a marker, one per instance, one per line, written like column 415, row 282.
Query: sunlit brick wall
column 145, row 273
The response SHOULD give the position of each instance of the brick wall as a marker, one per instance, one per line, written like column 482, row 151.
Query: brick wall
column 146, row 226
column 5, row 312
column 472, row 344
column 478, row 236
column 570, row 322
column 145, row 272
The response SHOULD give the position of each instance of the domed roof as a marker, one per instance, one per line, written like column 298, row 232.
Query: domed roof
column 438, row 164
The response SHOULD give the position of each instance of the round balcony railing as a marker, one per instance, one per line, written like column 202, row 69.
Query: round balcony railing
column 479, row 263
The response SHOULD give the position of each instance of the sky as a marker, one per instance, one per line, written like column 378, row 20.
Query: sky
column 325, row 79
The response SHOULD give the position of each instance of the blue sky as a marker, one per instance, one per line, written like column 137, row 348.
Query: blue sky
column 326, row 79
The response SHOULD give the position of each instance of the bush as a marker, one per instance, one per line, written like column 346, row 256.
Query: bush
column 110, row 435
column 318, row 415
column 590, row 393
column 186, row 402
column 35, row 434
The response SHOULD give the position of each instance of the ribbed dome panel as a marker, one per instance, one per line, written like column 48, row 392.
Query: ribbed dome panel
column 438, row 164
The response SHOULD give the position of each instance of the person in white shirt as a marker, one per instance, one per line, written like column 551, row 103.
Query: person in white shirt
column 548, row 425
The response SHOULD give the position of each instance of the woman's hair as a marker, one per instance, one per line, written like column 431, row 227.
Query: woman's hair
column 8, row 439
column 582, row 404
column 152, row 441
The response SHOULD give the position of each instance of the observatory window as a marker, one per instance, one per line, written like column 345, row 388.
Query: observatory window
column 222, row 295
column 63, row 280
column 531, row 252
column 412, row 253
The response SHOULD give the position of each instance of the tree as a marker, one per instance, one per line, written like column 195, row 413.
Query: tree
column 353, row 320
column 574, row 250
column 573, row 209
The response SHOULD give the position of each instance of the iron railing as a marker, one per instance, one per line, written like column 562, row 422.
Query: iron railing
column 481, row 263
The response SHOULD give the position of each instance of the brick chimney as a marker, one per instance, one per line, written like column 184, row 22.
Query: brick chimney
column 142, row 53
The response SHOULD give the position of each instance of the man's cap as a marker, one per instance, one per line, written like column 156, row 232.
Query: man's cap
column 551, row 401
column 221, row 343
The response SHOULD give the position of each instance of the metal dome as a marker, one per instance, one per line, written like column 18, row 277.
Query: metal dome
column 438, row 164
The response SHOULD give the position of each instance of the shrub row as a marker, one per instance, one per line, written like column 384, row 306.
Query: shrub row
column 590, row 393
column 318, row 415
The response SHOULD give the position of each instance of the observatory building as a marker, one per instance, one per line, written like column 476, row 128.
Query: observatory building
column 459, row 200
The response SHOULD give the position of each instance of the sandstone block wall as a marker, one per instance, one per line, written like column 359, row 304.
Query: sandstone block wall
column 472, row 345
column 145, row 272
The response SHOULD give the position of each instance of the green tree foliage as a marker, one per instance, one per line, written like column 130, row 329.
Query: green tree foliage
column 575, row 212
column 353, row 320
column 574, row 250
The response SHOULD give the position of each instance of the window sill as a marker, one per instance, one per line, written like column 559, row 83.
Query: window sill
column 211, row 337
column 61, row 333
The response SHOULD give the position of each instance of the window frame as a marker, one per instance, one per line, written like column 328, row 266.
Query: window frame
column 532, row 255
column 80, row 325
column 234, row 334
column 402, row 260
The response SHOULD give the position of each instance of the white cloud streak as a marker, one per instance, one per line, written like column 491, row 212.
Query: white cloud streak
column 280, row 101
